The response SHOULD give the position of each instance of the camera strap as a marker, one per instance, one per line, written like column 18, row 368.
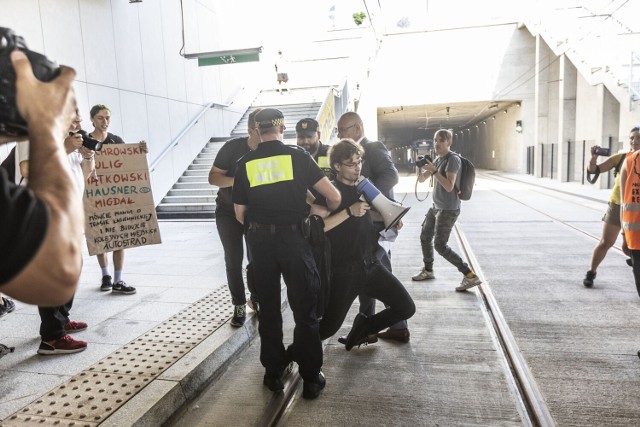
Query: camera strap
column 592, row 178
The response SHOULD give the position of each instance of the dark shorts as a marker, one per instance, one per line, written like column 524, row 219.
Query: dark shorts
column 612, row 215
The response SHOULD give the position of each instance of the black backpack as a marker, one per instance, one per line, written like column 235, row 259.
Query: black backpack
column 467, row 177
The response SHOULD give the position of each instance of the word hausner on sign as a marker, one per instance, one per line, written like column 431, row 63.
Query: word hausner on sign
column 119, row 209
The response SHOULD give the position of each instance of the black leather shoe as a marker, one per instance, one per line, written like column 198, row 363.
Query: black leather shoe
column 401, row 335
column 358, row 331
column 312, row 389
column 273, row 383
column 369, row 339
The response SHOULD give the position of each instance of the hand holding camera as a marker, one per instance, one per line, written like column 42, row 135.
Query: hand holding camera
column 600, row 151
column 25, row 94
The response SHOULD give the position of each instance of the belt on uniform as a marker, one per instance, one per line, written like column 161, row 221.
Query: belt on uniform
column 273, row 227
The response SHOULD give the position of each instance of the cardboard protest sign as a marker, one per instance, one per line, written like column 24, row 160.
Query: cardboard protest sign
column 119, row 209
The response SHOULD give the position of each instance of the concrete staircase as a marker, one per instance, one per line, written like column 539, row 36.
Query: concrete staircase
column 192, row 197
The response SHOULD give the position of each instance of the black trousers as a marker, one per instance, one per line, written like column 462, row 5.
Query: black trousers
column 635, row 259
column 52, row 321
column 283, row 252
column 231, row 234
column 371, row 279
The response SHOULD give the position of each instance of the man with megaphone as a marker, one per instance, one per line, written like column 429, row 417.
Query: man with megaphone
column 354, row 266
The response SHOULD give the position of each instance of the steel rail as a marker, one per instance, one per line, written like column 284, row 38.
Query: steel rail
column 535, row 405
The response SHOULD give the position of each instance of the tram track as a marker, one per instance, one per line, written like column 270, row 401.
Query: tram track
column 542, row 212
column 534, row 408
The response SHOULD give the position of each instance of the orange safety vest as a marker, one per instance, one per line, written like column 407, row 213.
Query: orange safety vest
column 631, row 202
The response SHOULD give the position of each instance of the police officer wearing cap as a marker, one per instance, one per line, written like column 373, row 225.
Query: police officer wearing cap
column 308, row 137
column 269, row 196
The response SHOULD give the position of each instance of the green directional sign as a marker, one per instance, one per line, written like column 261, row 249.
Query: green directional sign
column 228, row 59
column 224, row 57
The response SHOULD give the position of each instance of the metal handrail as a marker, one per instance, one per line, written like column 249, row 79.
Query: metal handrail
column 183, row 133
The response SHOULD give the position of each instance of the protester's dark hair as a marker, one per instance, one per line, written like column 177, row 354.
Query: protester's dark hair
column 635, row 129
column 252, row 118
column 343, row 150
column 96, row 108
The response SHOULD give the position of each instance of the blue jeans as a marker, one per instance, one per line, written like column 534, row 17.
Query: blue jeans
column 436, row 230
column 231, row 234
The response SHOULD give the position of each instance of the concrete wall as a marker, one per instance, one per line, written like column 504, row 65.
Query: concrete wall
column 127, row 57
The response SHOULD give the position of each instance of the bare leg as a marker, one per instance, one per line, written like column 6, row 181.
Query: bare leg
column 118, row 260
column 103, row 260
column 609, row 236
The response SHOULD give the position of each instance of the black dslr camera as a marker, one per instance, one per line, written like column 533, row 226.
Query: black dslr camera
column 88, row 141
column 422, row 160
column 11, row 123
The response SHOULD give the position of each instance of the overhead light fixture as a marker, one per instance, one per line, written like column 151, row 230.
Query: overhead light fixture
column 519, row 126
column 135, row 1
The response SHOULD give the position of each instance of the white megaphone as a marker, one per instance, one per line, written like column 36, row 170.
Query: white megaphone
column 391, row 211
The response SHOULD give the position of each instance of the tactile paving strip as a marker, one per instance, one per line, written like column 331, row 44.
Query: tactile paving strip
column 89, row 398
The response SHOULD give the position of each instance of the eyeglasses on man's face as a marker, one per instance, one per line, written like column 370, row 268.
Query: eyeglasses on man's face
column 352, row 165
column 344, row 130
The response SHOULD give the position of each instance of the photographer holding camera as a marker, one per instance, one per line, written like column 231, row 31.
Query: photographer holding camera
column 611, row 219
column 42, row 223
column 442, row 216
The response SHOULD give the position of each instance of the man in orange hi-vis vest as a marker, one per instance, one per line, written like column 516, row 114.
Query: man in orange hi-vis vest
column 630, row 209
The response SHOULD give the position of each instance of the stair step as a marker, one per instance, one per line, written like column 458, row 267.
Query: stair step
column 186, row 199
column 187, row 185
column 203, row 161
column 211, row 192
column 202, row 215
column 202, row 174
column 196, row 166
column 185, row 207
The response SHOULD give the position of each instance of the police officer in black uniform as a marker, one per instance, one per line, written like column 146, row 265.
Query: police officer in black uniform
column 269, row 196
column 308, row 137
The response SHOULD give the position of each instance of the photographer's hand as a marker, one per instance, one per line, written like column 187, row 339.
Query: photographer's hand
column 51, row 276
column 51, row 105
column 72, row 143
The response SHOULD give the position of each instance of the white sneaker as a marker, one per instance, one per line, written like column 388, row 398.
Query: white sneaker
column 468, row 283
column 423, row 275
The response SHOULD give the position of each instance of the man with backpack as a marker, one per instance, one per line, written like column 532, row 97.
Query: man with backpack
column 441, row 217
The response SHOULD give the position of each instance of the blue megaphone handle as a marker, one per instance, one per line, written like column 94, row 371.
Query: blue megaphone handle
column 368, row 189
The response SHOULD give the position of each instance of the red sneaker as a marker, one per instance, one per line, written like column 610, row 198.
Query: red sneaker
column 73, row 326
column 64, row 345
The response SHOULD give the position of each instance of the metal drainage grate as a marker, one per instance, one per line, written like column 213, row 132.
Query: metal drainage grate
column 91, row 396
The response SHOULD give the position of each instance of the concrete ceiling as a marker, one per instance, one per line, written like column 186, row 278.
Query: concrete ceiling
column 400, row 125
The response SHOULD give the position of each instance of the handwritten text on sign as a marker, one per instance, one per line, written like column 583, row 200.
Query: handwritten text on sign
column 119, row 209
